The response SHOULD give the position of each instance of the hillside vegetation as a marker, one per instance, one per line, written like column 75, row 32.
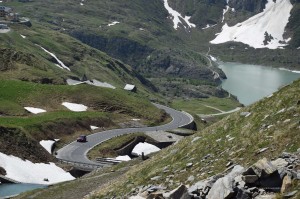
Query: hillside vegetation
column 106, row 107
column 271, row 124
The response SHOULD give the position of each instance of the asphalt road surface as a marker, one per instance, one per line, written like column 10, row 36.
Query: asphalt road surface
column 77, row 152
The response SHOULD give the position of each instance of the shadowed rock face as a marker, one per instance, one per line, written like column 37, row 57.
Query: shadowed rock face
column 255, row 6
column 2, row 171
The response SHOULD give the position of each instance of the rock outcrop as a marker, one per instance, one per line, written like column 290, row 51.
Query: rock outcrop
column 263, row 180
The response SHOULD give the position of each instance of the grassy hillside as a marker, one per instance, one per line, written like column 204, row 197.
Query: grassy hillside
column 106, row 107
column 272, row 124
column 23, row 58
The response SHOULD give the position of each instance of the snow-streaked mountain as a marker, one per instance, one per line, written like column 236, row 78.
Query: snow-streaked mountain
column 264, row 30
column 178, row 18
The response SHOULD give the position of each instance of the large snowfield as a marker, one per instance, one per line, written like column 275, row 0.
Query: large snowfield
column 36, row 173
column 272, row 20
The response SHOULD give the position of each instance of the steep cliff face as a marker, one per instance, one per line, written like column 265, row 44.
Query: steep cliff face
column 254, row 6
column 203, row 12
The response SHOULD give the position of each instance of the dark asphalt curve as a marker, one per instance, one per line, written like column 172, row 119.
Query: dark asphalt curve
column 77, row 152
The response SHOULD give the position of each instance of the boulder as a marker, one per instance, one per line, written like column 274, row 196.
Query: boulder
column 223, row 187
column 239, row 182
column 242, row 194
column 286, row 184
column 180, row 192
column 250, row 179
column 280, row 163
column 261, row 168
column 271, row 183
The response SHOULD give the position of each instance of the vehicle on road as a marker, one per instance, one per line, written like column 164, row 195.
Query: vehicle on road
column 82, row 138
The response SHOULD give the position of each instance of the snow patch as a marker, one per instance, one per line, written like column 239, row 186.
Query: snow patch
column 123, row 158
column 224, row 12
column 134, row 119
column 97, row 83
column 47, row 144
column 23, row 36
column 271, row 21
column 208, row 26
column 94, row 127
column 129, row 87
column 94, row 82
column 212, row 58
column 178, row 18
column 145, row 148
column 35, row 110
column 61, row 64
column 293, row 71
column 113, row 23
column 75, row 107
column 28, row 172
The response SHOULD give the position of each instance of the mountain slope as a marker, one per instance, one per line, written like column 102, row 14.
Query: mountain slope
column 264, row 30
column 271, row 124
column 135, row 33
column 265, row 129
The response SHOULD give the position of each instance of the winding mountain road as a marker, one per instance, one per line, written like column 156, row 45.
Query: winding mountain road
column 77, row 152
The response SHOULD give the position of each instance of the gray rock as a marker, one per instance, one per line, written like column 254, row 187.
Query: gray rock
column 244, row 114
column 223, row 187
column 271, row 182
column 286, row 155
column 279, row 163
column 195, row 139
column 189, row 165
column 242, row 194
column 290, row 194
column 262, row 150
column 250, row 179
column 261, row 168
column 136, row 197
column 239, row 182
column 282, row 172
column 155, row 188
column 191, row 178
column 286, row 183
column 229, row 164
column 199, row 186
column 155, row 178
column 180, row 192
column 156, row 195
column 266, row 196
